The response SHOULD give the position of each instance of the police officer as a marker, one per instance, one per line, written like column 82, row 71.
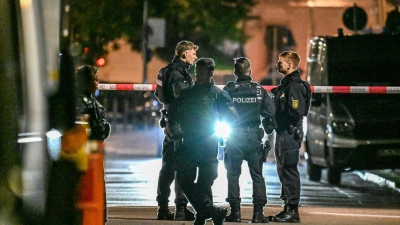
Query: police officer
column 172, row 80
column 87, row 84
column 91, row 109
column 292, row 100
column 251, row 102
column 198, row 110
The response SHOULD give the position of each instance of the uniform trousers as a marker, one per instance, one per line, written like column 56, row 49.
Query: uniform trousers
column 168, row 173
column 287, row 149
column 245, row 144
column 196, row 171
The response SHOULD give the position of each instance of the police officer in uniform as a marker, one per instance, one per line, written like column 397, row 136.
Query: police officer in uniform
column 197, row 110
column 251, row 102
column 171, row 81
column 292, row 100
column 89, row 107
column 87, row 82
column 66, row 172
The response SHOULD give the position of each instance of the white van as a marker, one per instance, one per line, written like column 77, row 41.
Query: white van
column 353, row 131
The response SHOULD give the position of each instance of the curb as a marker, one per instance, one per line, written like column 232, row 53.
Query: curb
column 379, row 180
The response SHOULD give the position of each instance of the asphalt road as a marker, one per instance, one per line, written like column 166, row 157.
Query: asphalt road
column 132, row 168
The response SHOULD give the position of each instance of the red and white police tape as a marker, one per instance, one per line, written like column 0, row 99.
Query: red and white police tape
column 314, row 89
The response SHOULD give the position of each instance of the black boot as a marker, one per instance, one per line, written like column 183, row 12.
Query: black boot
column 284, row 210
column 235, row 213
column 290, row 216
column 183, row 214
column 163, row 213
column 200, row 220
column 219, row 215
column 258, row 214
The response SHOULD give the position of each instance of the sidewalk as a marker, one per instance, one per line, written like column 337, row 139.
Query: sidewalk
column 308, row 215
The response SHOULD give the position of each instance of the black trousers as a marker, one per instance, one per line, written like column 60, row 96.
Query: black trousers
column 167, row 174
column 196, row 171
column 242, row 145
column 287, row 150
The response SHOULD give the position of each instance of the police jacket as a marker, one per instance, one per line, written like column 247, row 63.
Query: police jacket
column 176, row 78
column 292, row 100
column 199, row 108
column 100, row 128
column 251, row 102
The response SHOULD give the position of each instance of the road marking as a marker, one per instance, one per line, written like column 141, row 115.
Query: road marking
column 343, row 192
column 355, row 215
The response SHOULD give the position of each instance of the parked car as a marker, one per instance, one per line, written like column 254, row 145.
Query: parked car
column 353, row 131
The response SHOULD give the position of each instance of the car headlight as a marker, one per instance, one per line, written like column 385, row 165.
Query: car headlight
column 340, row 127
column 222, row 129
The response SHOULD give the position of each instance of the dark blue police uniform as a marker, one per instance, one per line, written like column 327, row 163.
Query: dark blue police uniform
column 292, row 100
column 177, row 79
column 244, row 143
column 197, row 110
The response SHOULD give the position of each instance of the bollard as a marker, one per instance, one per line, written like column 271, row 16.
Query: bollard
column 91, row 188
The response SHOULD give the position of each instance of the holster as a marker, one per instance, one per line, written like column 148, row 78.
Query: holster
column 265, row 149
column 164, row 118
column 260, row 133
column 297, row 133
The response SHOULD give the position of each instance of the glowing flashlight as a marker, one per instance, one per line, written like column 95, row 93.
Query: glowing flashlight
column 222, row 129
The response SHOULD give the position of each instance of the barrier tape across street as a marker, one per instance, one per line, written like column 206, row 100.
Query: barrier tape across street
column 314, row 89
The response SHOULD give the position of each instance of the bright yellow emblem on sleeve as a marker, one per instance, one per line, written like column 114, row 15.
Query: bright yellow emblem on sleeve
column 295, row 104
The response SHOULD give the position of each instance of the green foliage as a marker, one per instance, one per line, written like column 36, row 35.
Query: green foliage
column 94, row 23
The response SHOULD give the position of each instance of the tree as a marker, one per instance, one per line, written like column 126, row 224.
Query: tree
column 95, row 23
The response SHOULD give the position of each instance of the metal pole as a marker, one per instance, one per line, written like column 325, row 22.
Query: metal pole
column 355, row 19
column 275, row 54
column 144, row 42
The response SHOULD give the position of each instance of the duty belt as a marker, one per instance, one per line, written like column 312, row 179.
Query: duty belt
column 290, row 130
column 247, row 128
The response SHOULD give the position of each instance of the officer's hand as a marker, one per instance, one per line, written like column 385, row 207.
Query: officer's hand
column 177, row 136
column 221, row 142
column 268, row 124
column 267, row 145
column 298, row 135
column 269, row 129
column 98, row 132
column 163, row 112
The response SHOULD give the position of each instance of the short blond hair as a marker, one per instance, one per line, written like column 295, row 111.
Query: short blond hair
column 183, row 46
column 292, row 56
